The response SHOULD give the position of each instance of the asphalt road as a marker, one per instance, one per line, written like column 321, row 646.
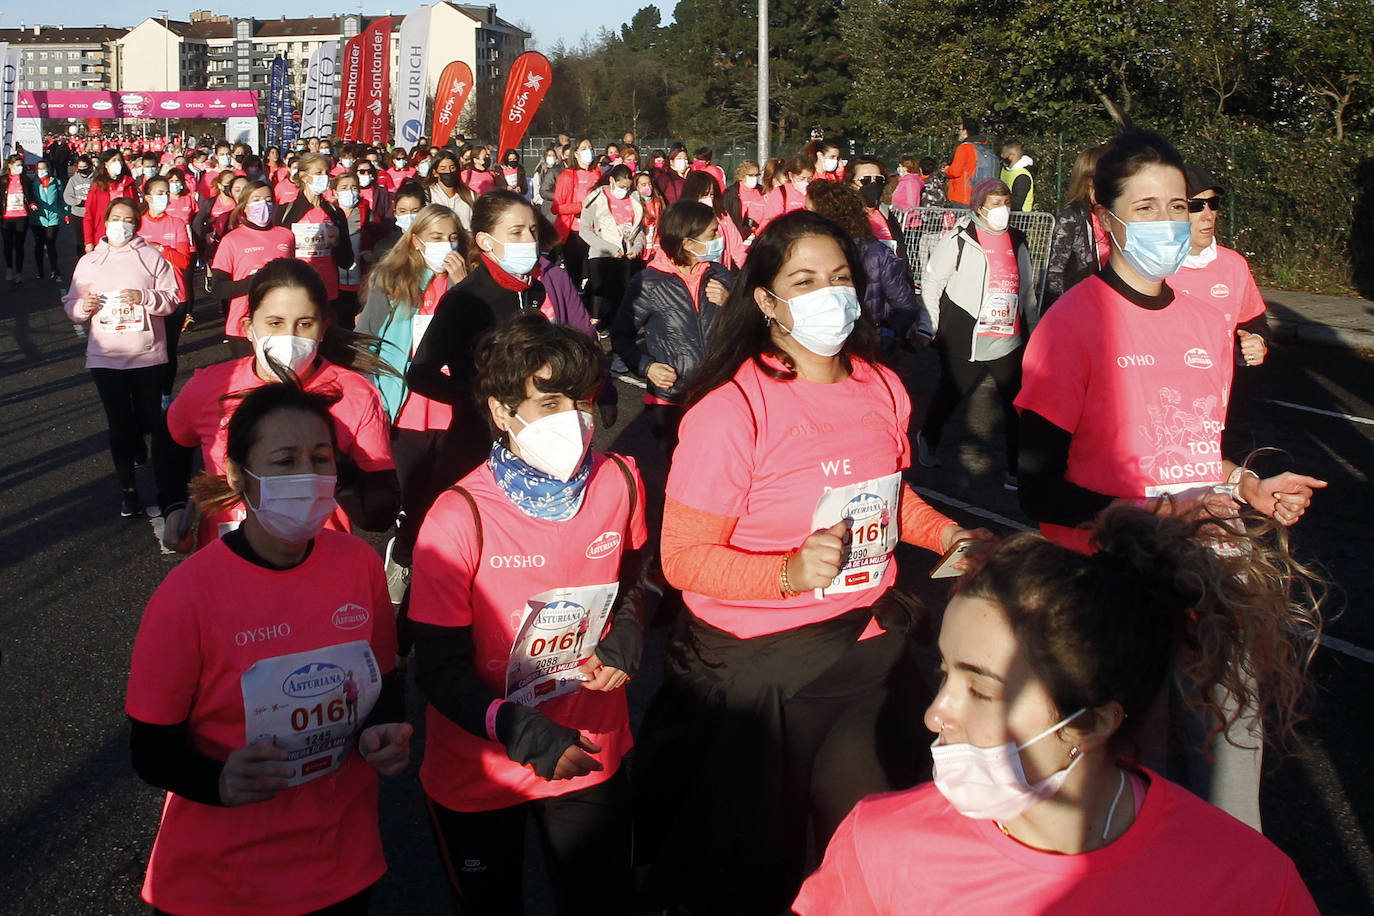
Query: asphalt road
column 76, row 825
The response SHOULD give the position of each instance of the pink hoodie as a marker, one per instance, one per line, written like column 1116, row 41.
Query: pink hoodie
column 140, row 339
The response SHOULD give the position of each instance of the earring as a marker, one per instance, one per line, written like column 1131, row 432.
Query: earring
column 1074, row 752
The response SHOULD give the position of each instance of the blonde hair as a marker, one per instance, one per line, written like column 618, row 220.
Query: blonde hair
column 397, row 274
column 304, row 163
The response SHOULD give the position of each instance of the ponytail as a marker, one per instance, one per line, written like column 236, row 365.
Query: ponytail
column 1223, row 605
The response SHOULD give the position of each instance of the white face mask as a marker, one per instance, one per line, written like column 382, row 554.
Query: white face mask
column 16, row 169
column 118, row 233
column 293, row 507
column 326, row 151
column 346, row 162
column 800, row 185
column 319, row 183
column 403, row 221
column 1202, row 258
column 42, row 173
column 620, row 193
column 550, row 161
column 287, row 351
column 555, row 444
column 518, row 258
column 176, row 187
column 398, row 164
column 830, row 165
column 423, row 168
column 114, row 167
column 348, row 199
column 365, row 179
column 998, row 218
column 157, row 203
column 584, row 156
column 224, row 161
column 435, row 252
column 679, row 165
column 751, row 181
column 987, row 783
column 823, row 318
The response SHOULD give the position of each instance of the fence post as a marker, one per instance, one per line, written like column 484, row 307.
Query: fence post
column 1231, row 202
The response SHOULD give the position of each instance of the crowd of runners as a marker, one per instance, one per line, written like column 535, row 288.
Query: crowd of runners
column 422, row 342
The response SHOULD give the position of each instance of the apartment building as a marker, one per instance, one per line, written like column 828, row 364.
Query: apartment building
column 55, row 57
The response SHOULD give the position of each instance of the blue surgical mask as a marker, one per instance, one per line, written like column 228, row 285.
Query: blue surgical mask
column 1156, row 249
column 714, row 249
column 517, row 258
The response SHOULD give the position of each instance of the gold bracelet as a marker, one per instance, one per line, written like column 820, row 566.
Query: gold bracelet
column 787, row 590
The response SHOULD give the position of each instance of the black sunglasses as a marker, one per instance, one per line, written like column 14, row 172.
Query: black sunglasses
column 873, row 179
column 1196, row 204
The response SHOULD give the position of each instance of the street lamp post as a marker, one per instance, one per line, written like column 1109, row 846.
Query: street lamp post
column 166, row 66
column 763, row 82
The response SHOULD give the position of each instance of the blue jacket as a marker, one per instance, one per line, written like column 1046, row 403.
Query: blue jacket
column 52, row 209
column 890, row 296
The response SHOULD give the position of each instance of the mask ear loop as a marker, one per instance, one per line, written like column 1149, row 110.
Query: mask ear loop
column 1052, row 729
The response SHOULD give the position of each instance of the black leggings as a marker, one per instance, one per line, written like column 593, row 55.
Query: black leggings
column 357, row 905
column 959, row 376
column 575, row 259
column 172, row 325
column 45, row 241
column 607, row 280
column 428, row 461
column 664, row 420
column 586, row 840
column 132, row 399
column 12, row 230
column 753, row 747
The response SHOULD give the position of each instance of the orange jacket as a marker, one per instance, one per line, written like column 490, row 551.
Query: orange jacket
column 960, row 173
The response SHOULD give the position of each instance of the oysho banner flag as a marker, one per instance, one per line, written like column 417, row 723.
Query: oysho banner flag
column 455, row 85
column 412, row 77
column 526, row 87
column 317, row 114
column 9, row 96
column 374, row 113
column 349, row 107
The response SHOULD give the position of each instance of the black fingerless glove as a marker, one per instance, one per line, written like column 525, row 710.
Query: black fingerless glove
column 532, row 738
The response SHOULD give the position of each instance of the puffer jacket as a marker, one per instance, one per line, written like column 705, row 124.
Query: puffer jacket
column 890, row 297
column 1073, row 252
column 956, row 276
column 600, row 232
column 659, row 323
column 52, row 208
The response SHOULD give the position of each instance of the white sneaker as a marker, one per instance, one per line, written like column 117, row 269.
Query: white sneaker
column 924, row 453
column 166, row 402
column 397, row 577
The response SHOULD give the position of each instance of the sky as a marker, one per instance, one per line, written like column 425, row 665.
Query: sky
column 550, row 21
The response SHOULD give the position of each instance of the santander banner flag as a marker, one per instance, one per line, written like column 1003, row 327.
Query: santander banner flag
column 374, row 115
column 455, row 85
column 526, row 87
column 349, row 108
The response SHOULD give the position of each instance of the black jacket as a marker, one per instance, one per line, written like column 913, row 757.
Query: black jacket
column 463, row 315
column 1073, row 253
column 657, row 323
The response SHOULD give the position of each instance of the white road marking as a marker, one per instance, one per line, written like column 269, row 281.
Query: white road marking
column 1326, row 413
column 1328, row 642
column 972, row 509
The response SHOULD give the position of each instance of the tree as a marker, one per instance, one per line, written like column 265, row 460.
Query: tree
column 1330, row 52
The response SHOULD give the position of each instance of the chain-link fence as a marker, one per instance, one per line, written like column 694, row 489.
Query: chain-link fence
column 923, row 227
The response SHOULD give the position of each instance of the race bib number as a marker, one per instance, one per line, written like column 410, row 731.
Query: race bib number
column 871, row 510
column 418, row 326
column 561, row 629
column 14, row 202
column 119, row 317
column 998, row 316
column 311, row 704
column 312, row 240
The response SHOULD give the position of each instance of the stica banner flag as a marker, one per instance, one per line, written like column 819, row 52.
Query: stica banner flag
column 349, row 107
column 412, row 77
column 455, row 85
column 374, row 102
column 317, row 113
column 525, row 88
column 276, row 101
